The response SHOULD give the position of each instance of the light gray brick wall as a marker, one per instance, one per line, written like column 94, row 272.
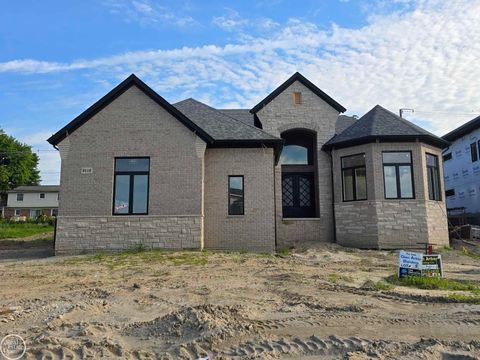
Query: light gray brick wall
column 255, row 230
column 81, row 234
column 314, row 114
column 132, row 125
column 381, row 223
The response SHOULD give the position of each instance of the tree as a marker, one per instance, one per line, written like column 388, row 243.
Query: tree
column 18, row 165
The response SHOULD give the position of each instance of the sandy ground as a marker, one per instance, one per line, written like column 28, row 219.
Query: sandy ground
column 312, row 304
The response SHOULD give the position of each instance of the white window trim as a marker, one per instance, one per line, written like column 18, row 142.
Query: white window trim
column 19, row 212
column 51, row 211
column 22, row 196
column 40, row 195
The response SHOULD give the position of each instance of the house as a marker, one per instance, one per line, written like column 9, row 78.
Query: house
column 139, row 170
column 461, row 161
column 32, row 201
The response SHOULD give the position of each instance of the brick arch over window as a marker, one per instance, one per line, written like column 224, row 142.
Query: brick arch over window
column 299, row 169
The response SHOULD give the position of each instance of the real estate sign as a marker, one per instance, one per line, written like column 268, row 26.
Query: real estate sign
column 418, row 264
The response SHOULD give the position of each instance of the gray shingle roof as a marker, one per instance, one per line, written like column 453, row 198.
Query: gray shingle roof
column 244, row 115
column 343, row 122
column 219, row 125
column 380, row 123
column 37, row 188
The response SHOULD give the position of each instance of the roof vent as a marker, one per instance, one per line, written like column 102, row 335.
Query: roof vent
column 297, row 98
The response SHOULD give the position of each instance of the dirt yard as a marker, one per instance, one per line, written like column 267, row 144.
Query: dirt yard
column 323, row 303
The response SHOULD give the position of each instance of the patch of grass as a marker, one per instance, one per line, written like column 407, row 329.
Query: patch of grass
column 138, row 256
column 382, row 285
column 434, row 283
column 462, row 298
column 335, row 278
column 285, row 252
column 20, row 230
column 469, row 253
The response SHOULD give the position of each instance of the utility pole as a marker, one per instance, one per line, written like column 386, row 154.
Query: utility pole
column 402, row 110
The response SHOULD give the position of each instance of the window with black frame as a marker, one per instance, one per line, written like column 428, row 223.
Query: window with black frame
column 235, row 195
column 354, row 178
column 398, row 175
column 473, row 152
column 131, row 186
column 433, row 177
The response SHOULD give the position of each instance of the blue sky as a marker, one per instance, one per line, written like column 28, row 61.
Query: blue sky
column 57, row 58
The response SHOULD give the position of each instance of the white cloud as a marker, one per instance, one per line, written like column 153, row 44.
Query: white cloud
column 148, row 13
column 424, row 57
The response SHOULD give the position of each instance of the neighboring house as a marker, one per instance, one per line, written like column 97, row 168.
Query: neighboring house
column 32, row 201
column 139, row 170
column 462, row 169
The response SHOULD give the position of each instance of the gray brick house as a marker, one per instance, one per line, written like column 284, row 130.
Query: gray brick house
column 139, row 170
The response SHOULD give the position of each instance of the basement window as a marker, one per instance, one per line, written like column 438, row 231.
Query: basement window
column 297, row 98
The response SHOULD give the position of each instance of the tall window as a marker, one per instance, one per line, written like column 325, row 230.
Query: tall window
column 433, row 177
column 473, row 151
column 19, row 197
column 235, row 195
column 298, row 174
column 131, row 186
column 354, row 178
column 398, row 175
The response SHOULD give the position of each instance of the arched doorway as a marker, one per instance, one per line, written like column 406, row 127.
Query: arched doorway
column 298, row 161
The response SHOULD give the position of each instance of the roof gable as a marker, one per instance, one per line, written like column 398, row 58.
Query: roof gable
column 307, row 83
column 132, row 80
column 466, row 128
column 380, row 123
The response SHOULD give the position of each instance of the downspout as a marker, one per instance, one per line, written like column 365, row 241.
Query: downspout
column 275, row 205
column 333, row 198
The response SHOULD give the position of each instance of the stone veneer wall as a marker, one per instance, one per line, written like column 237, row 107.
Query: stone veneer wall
column 132, row 125
column 255, row 230
column 82, row 234
column 386, row 224
column 314, row 114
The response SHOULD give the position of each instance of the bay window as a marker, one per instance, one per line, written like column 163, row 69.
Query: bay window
column 433, row 177
column 398, row 175
column 354, row 178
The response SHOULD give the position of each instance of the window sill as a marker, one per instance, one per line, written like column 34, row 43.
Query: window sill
column 301, row 219
column 235, row 216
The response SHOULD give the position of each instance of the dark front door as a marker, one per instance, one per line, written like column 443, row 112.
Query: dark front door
column 298, row 195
